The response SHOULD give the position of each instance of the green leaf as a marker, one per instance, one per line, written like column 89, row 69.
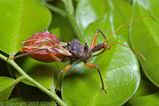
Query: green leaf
column 144, row 39
column 19, row 19
column 120, row 71
column 147, row 94
column 6, row 87
column 148, row 100
column 88, row 11
column 145, row 88
column 61, row 28
column 154, row 8
column 121, row 11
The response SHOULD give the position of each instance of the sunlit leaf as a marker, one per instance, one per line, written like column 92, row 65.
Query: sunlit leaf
column 19, row 19
column 148, row 100
column 88, row 11
column 121, row 11
column 6, row 87
column 61, row 28
column 146, row 94
column 144, row 38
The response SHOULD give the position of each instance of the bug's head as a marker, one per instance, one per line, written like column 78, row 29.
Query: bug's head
column 100, row 48
column 105, row 44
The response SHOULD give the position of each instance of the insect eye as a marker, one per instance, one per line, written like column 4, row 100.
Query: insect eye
column 85, row 47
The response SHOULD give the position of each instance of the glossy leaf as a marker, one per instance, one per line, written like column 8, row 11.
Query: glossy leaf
column 6, row 87
column 145, row 88
column 88, row 11
column 62, row 28
column 20, row 19
column 121, row 11
column 148, row 100
column 144, row 38
column 120, row 72
column 147, row 94
column 154, row 8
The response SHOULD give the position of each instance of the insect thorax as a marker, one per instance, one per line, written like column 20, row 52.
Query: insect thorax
column 79, row 52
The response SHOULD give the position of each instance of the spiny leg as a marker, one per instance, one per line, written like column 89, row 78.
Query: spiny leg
column 34, row 51
column 93, row 43
column 90, row 65
column 53, row 56
column 61, row 75
column 64, row 71
column 28, row 53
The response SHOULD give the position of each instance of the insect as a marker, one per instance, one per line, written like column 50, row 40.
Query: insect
column 46, row 47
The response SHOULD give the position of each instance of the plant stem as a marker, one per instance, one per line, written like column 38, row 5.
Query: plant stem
column 3, row 57
column 55, row 9
column 70, row 14
column 19, row 79
column 42, row 88
column 38, row 85
column 76, row 29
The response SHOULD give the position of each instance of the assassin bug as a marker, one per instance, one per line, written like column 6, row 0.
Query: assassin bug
column 46, row 47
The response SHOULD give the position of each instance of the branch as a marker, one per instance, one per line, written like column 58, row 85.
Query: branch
column 38, row 85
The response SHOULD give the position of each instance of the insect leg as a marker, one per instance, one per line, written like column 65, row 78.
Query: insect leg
column 34, row 51
column 66, row 68
column 95, row 38
column 62, row 74
column 64, row 71
column 53, row 56
column 90, row 65
column 28, row 53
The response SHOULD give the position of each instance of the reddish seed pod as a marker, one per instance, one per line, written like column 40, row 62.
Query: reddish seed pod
column 44, row 46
